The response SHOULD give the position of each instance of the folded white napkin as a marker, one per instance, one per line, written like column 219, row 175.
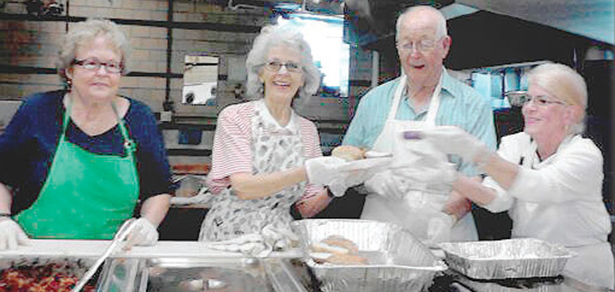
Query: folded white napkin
column 258, row 244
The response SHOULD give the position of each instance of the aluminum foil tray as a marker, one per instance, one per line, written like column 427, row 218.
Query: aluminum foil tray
column 505, row 259
column 396, row 260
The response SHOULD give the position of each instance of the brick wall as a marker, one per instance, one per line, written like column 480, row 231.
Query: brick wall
column 160, row 41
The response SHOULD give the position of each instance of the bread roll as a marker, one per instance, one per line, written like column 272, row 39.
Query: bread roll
column 348, row 152
column 346, row 259
column 336, row 240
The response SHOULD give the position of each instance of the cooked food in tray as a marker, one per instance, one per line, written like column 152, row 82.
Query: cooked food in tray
column 337, row 250
column 55, row 277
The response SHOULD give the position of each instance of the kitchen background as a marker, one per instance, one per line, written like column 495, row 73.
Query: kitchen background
column 188, row 57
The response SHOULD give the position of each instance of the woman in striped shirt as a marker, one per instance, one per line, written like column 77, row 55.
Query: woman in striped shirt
column 260, row 146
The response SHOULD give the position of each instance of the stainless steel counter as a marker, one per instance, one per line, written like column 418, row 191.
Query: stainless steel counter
column 190, row 266
column 95, row 248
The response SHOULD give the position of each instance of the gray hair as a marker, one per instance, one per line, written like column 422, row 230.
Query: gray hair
column 86, row 31
column 564, row 84
column 289, row 37
column 441, row 30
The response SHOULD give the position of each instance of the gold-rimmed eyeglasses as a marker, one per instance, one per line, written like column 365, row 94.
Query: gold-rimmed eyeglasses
column 93, row 64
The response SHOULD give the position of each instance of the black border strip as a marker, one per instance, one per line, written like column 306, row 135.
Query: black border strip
column 189, row 152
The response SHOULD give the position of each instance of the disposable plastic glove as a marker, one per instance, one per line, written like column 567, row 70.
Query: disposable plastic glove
column 336, row 173
column 437, row 172
column 142, row 233
column 11, row 234
column 439, row 229
column 323, row 170
column 452, row 140
column 386, row 184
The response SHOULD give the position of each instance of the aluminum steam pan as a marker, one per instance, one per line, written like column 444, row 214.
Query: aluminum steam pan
column 505, row 259
column 396, row 260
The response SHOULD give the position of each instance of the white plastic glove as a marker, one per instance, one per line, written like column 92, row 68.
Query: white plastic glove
column 336, row 173
column 11, row 234
column 323, row 170
column 142, row 233
column 339, row 186
column 439, row 229
column 386, row 184
column 426, row 172
column 452, row 140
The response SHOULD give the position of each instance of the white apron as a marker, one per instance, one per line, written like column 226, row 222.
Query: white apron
column 418, row 208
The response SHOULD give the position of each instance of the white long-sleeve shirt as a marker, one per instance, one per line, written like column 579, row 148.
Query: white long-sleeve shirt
column 559, row 200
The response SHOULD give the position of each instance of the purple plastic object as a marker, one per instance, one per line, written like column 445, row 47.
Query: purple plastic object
column 412, row 135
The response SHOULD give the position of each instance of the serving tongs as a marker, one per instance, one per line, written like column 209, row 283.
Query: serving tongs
column 119, row 237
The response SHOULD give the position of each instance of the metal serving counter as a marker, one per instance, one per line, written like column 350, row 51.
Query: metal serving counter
column 190, row 266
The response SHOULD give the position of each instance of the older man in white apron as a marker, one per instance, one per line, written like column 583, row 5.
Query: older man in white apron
column 420, row 206
column 426, row 96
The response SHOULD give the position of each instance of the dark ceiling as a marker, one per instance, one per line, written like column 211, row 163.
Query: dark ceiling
column 483, row 39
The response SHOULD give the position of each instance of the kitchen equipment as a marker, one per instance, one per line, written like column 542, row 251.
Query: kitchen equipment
column 170, row 274
column 502, row 259
column 396, row 260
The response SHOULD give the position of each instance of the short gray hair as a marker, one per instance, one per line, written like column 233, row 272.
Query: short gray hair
column 441, row 30
column 86, row 31
column 565, row 84
column 289, row 37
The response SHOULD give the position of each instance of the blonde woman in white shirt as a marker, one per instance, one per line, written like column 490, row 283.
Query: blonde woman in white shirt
column 548, row 177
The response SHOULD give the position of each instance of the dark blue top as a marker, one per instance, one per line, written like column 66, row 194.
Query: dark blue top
column 30, row 140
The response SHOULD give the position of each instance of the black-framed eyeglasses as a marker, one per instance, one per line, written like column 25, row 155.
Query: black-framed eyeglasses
column 275, row 66
column 93, row 64
column 420, row 46
column 523, row 98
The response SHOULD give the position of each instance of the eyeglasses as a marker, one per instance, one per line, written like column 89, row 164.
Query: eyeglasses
column 522, row 99
column 92, row 64
column 275, row 66
column 420, row 46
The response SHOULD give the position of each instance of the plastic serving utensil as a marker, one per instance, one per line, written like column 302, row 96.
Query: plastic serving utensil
column 119, row 237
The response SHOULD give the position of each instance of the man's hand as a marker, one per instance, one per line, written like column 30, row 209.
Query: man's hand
column 457, row 205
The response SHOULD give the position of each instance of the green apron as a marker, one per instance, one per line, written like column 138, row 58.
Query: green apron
column 86, row 195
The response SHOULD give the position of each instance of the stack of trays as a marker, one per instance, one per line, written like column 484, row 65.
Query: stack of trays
column 506, row 259
column 396, row 260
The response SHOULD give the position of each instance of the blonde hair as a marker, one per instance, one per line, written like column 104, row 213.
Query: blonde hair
column 564, row 84
column 86, row 31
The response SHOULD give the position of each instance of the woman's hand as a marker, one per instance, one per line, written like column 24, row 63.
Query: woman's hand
column 453, row 140
column 310, row 206
column 143, row 232
column 11, row 234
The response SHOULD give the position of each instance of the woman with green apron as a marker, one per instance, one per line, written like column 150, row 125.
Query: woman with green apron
column 75, row 164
